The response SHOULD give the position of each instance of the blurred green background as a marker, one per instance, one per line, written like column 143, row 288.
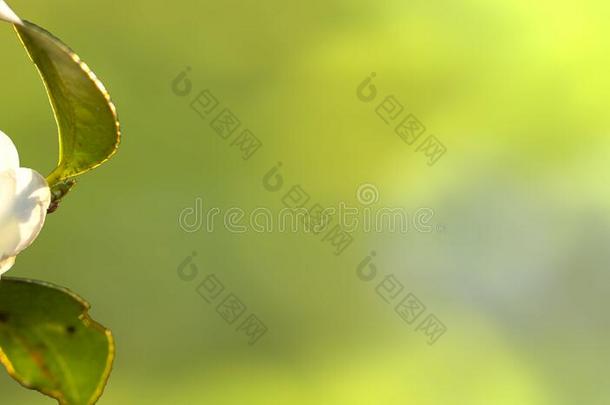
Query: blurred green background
column 517, row 268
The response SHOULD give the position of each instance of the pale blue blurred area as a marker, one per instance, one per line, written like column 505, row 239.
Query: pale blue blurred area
column 517, row 268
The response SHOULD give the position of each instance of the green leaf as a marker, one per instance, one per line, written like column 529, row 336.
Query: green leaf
column 89, row 131
column 49, row 343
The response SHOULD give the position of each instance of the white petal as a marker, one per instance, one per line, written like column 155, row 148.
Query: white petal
column 9, row 158
column 30, row 209
column 8, row 189
column 8, row 15
column 26, row 215
column 6, row 264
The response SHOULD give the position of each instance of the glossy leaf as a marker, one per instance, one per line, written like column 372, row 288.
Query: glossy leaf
column 49, row 343
column 89, row 131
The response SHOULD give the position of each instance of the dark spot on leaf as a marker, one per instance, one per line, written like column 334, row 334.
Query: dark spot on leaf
column 3, row 317
column 70, row 330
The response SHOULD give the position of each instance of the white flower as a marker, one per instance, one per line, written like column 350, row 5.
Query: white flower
column 8, row 15
column 24, row 200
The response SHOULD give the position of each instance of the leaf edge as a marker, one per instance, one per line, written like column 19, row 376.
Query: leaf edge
column 86, row 318
column 55, row 177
